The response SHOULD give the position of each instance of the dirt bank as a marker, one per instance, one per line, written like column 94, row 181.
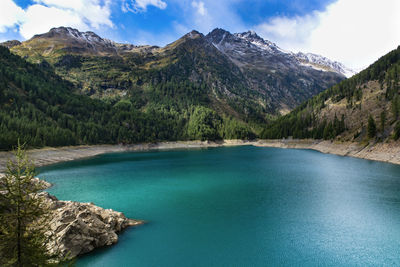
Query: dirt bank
column 386, row 152
column 51, row 155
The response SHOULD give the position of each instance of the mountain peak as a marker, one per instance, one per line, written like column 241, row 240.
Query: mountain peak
column 220, row 38
column 11, row 43
column 255, row 39
column 249, row 34
column 218, row 31
column 217, row 35
column 75, row 41
column 71, row 33
column 194, row 35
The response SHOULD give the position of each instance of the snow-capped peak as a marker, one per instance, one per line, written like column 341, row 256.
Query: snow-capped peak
column 256, row 40
column 83, row 37
column 250, row 42
column 323, row 63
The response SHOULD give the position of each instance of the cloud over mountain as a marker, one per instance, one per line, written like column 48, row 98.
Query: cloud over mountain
column 355, row 32
column 46, row 14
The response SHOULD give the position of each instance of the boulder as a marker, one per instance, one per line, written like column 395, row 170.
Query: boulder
column 78, row 228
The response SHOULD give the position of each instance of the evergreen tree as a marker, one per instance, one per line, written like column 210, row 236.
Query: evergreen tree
column 383, row 120
column 371, row 127
column 396, row 106
column 24, row 216
column 397, row 131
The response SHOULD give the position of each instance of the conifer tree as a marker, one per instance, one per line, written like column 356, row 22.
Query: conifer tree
column 371, row 127
column 383, row 120
column 24, row 216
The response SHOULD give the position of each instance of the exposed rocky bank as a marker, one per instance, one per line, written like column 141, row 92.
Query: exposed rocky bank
column 386, row 152
column 79, row 228
column 51, row 155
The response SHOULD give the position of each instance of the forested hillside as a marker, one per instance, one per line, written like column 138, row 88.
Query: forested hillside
column 40, row 108
column 363, row 107
column 253, row 84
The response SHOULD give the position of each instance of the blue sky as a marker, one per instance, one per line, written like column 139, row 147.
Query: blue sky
column 355, row 32
column 133, row 20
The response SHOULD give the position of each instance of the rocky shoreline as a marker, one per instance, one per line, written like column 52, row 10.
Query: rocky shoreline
column 79, row 228
column 52, row 155
column 386, row 152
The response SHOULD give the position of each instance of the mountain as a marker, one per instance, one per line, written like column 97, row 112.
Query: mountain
column 322, row 63
column 281, row 76
column 10, row 43
column 311, row 60
column 66, row 41
column 39, row 108
column 252, row 81
column 362, row 108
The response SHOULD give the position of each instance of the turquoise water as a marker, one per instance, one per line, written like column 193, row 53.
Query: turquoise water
column 240, row 206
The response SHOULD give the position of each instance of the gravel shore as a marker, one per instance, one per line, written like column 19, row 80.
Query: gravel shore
column 386, row 152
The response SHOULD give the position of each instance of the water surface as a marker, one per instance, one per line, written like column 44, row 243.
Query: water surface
column 240, row 206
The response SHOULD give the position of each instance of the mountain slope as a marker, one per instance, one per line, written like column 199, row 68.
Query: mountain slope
column 362, row 107
column 322, row 63
column 252, row 94
column 281, row 76
column 39, row 108
column 312, row 60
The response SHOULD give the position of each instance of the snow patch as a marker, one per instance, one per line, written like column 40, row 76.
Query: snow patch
column 313, row 66
column 316, row 60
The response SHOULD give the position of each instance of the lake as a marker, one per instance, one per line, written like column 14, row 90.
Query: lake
column 240, row 206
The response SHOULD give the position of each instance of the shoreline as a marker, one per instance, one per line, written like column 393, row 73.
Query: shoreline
column 388, row 152
column 52, row 155
column 385, row 152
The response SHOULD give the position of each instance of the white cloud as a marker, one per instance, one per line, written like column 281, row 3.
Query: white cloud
column 46, row 14
column 70, row 4
column 141, row 5
column 289, row 32
column 10, row 15
column 199, row 6
column 39, row 19
column 355, row 32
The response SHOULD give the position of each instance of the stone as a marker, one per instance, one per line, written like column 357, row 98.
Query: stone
column 79, row 228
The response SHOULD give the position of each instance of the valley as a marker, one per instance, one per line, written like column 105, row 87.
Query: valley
column 218, row 86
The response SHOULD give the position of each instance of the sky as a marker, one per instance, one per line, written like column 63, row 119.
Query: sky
column 354, row 32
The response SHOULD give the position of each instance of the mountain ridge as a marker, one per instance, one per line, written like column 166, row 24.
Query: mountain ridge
column 95, row 41
column 252, row 86
column 272, row 70
column 315, row 61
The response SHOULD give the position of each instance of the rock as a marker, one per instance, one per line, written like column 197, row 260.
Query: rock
column 41, row 183
column 79, row 228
